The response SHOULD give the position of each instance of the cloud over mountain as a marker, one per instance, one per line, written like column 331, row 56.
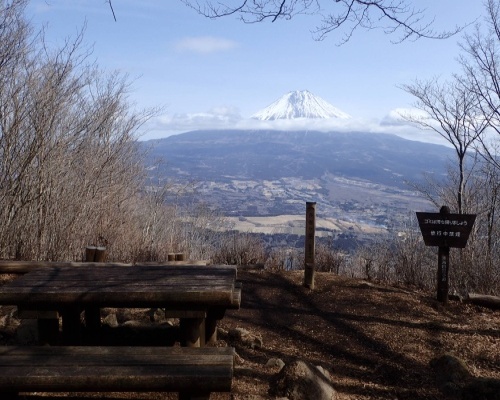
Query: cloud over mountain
column 295, row 111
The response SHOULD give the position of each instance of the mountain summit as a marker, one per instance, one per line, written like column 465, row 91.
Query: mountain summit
column 300, row 104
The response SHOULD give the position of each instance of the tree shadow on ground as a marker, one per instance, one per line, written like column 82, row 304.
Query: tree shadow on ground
column 346, row 330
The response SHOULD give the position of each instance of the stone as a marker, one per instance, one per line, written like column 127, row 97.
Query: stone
column 157, row 315
column 135, row 325
column 238, row 360
column 275, row 363
column 450, row 371
column 110, row 320
column 455, row 380
column 302, row 381
column 246, row 338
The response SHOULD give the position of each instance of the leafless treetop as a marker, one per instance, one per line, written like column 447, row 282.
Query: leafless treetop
column 397, row 17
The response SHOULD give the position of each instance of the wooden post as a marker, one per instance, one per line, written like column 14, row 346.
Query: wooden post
column 89, row 253
column 100, row 254
column 213, row 315
column 442, row 275
column 309, row 261
column 71, row 326
column 92, row 314
column 93, row 324
column 95, row 254
column 48, row 331
column 210, row 331
column 443, row 266
column 192, row 332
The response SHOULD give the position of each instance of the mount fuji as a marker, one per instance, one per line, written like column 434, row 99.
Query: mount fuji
column 300, row 104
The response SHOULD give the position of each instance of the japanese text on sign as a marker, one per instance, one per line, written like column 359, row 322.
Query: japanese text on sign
column 453, row 222
column 448, row 230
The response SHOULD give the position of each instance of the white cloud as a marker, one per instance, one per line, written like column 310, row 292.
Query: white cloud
column 230, row 118
column 217, row 118
column 396, row 122
column 205, row 44
column 400, row 116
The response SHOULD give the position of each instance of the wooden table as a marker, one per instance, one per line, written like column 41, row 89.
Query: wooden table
column 198, row 295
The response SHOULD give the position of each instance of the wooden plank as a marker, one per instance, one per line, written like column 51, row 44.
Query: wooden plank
column 207, row 280
column 236, row 299
column 126, row 351
column 119, row 369
column 67, row 285
column 112, row 280
column 118, row 286
column 120, row 276
column 69, row 360
column 185, row 313
column 120, row 299
column 23, row 267
column 36, row 314
column 124, row 271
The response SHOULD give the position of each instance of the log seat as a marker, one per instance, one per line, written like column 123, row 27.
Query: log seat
column 193, row 372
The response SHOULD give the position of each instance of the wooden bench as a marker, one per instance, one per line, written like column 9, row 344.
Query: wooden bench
column 197, row 294
column 193, row 372
column 23, row 267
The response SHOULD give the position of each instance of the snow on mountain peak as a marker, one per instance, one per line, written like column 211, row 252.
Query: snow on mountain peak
column 300, row 104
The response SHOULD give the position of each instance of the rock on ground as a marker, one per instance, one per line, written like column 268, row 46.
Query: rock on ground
column 301, row 381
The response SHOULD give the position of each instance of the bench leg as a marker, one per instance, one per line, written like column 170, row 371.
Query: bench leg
column 93, row 324
column 71, row 326
column 213, row 315
column 192, row 332
column 48, row 331
column 210, row 330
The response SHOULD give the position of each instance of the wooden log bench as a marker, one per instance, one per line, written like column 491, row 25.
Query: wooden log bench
column 48, row 322
column 23, row 267
column 193, row 372
column 198, row 295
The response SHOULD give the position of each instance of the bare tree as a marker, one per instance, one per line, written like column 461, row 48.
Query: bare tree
column 237, row 248
column 481, row 63
column 398, row 17
column 69, row 166
column 328, row 258
column 451, row 111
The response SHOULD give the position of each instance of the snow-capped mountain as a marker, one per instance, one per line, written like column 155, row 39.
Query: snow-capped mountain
column 299, row 104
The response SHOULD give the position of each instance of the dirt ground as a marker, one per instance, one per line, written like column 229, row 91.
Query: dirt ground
column 377, row 342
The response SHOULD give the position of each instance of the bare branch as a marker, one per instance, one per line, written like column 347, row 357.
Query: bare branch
column 391, row 16
column 453, row 112
column 480, row 62
column 112, row 10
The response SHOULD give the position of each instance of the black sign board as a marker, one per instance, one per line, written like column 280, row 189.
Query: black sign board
column 445, row 230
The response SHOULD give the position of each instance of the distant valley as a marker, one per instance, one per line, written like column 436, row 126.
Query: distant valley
column 359, row 180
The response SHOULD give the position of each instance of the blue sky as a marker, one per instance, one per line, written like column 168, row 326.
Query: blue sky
column 217, row 73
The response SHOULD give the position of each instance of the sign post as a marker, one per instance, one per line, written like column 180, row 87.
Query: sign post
column 442, row 275
column 445, row 230
column 309, row 261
